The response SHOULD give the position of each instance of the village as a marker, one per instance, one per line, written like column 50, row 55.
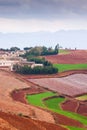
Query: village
column 10, row 58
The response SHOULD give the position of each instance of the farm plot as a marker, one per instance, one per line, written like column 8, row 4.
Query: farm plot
column 67, row 67
column 72, row 85
column 19, row 95
column 36, row 94
column 70, row 105
column 53, row 104
column 36, row 99
column 74, row 57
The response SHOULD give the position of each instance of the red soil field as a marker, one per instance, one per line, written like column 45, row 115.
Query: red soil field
column 13, row 122
column 70, row 105
column 74, row 57
column 19, row 95
column 10, row 82
column 75, row 106
column 82, row 109
column 72, row 85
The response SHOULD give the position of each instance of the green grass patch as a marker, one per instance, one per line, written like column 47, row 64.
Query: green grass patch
column 54, row 103
column 82, row 98
column 63, row 51
column 66, row 67
column 74, row 128
column 37, row 99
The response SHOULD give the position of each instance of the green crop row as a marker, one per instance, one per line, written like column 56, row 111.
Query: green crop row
column 53, row 104
column 66, row 67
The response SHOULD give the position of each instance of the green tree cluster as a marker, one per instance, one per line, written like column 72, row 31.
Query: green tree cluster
column 35, row 70
column 41, row 51
column 39, row 61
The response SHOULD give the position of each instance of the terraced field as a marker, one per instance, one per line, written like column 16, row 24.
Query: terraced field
column 45, row 100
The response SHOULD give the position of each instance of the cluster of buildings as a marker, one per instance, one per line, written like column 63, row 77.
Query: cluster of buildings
column 9, row 59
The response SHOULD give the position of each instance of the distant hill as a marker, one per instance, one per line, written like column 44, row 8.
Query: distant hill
column 66, row 39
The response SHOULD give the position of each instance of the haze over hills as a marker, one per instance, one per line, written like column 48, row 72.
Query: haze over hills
column 66, row 39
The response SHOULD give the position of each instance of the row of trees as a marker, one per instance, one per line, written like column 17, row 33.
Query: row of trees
column 35, row 70
column 40, row 51
column 38, row 60
column 11, row 49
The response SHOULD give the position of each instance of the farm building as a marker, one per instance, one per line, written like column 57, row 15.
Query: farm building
column 31, row 64
column 8, row 64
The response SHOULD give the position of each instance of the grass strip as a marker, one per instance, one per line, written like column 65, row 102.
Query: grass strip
column 63, row 51
column 37, row 100
column 74, row 128
column 66, row 67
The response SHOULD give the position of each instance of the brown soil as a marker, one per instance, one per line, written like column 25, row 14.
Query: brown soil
column 8, row 83
column 76, row 56
column 14, row 122
column 19, row 95
column 70, row 105
column 82, row 109
column 72, row 85
column 63, row 120
column 75, row 106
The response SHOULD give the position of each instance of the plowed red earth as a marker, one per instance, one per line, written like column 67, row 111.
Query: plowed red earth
column 19, row 95
column 70, row 105
column 13, row 122
column 75, row 106
column 72, row 85
column 8, row 83
column 74, row 57
column 82, row 109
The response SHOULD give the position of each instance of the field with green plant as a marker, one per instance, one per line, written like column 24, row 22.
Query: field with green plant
column 36, row 99
column 64, row 51
column 53, row 104
column 74, row 128
column 66, row 67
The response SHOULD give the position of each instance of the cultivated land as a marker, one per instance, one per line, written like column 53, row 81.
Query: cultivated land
column 72, row 85
column 67, row 67
column 27, row 101
column 74, row 57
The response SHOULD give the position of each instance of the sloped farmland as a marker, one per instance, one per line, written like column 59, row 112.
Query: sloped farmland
column 72, row 85
column 74, row 57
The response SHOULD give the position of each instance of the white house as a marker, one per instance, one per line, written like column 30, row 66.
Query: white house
column 7, row 64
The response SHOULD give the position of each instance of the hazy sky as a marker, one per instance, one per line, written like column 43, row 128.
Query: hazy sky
column 42, row 15
column 26, row 16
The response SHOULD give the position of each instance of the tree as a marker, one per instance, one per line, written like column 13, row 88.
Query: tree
column 57, row 48
column 14, row 49
column 27, row 48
